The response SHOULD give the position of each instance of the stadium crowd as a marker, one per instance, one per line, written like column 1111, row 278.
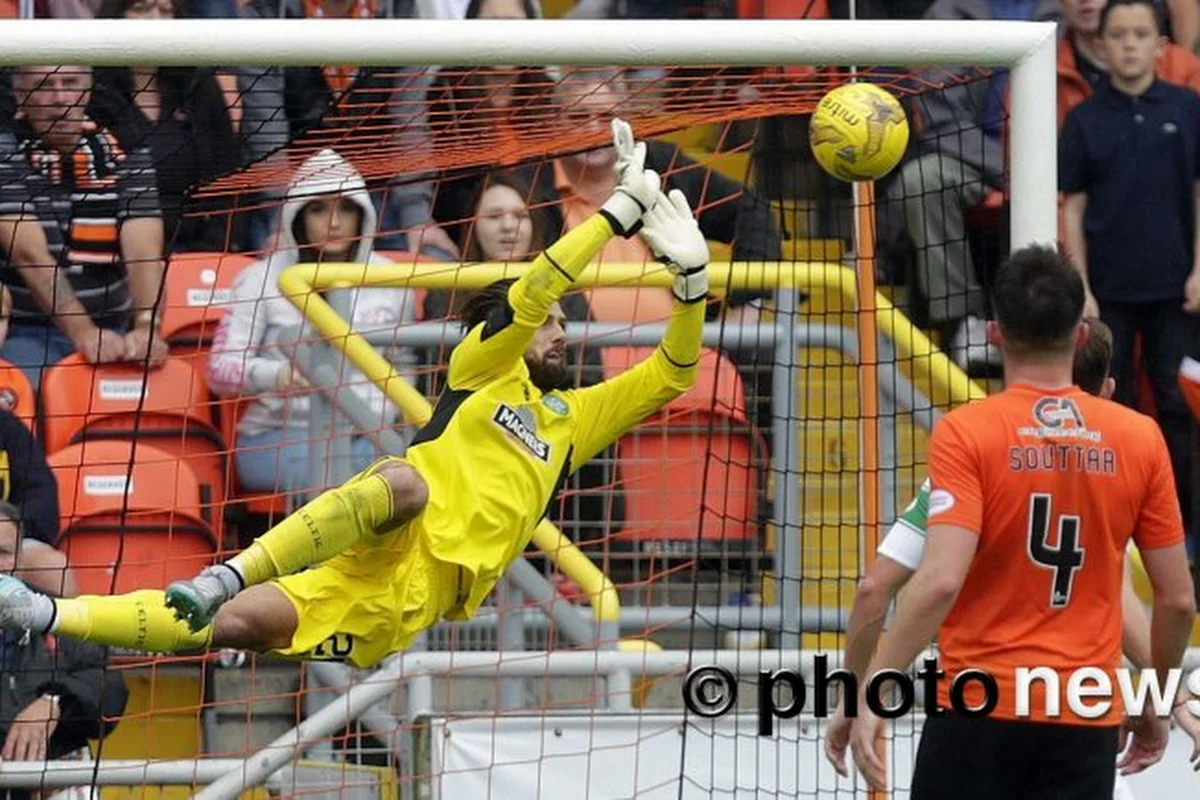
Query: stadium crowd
column 149, row 136
column 98, row 168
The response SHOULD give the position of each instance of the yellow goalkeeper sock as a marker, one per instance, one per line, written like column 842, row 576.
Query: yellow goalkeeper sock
column 137, row 621
column 320, row 530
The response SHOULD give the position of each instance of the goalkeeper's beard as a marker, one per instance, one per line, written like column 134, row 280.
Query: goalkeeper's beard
column 547, row 375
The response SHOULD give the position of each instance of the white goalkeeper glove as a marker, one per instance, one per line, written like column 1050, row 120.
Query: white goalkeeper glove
column 674, row 237
column 637, row 187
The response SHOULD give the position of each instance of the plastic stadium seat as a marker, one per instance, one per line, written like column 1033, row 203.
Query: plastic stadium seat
column 168, row 408
column 699, row 454
column 686, row 484
column 718, row 388
column 126, row 401
column 17, row 394
column 198, row 288
column 133, row 516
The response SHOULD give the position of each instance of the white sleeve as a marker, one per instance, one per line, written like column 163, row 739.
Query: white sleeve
column 904, row 545
column 233, row 367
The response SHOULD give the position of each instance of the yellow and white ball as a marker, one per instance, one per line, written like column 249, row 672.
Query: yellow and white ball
column 859, row 132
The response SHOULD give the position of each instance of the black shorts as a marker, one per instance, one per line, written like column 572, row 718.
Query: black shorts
column 994, row 759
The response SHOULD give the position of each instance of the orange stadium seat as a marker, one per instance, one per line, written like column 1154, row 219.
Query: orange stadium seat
column 718, row 388
column 700, row 452
column 125, row 401
column 670, row 473
column 168, row 407
column 133, row 516
column 17, row 394
column 198, row 288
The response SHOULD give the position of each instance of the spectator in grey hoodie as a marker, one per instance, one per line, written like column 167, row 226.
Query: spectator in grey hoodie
column 327, row 217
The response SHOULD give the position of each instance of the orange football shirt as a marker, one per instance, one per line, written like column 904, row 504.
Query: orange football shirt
column 1054, row 482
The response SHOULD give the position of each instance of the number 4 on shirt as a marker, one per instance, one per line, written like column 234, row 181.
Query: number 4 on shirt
column 1065, row 559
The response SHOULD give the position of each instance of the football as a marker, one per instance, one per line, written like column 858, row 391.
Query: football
column 859, row 132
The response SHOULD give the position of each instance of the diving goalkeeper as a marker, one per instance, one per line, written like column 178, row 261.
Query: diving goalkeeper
column 414, row 540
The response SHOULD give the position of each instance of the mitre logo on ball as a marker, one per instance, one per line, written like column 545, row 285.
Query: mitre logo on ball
column 859, row 132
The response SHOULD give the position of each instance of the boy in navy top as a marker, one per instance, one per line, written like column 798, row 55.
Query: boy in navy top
column 1129, row 165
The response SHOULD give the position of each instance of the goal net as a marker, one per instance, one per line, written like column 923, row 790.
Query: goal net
column 303, row 239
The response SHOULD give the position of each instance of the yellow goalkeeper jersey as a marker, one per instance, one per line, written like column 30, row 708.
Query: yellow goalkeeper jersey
column 497, row 449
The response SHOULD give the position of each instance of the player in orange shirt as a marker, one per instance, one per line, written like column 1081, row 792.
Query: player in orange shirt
column 1034, row 492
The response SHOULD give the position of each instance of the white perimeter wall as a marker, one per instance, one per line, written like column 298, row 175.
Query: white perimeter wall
column 600, row 756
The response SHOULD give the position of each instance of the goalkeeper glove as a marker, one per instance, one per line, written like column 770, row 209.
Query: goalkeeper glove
column 675, row 239
column 637, row 187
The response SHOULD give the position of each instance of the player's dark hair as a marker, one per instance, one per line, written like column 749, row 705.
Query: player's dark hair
column 1160, row 20
column 1093, row 359
column 482, row 304
column 1038, row 298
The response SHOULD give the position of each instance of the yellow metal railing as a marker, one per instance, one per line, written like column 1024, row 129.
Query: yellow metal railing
column 300, row 284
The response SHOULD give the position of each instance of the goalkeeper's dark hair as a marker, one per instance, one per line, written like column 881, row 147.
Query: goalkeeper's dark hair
column 1038, row 298
column 482, row 304
column 1093, row 360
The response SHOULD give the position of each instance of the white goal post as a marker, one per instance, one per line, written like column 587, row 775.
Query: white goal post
column 1027, row 48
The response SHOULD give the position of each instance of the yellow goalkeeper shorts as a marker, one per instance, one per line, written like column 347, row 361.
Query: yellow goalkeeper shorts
column 370, row 601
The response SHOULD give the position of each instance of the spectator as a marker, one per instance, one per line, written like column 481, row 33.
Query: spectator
column 369, row 106
column 504, row 228
column 1129, row 162
column 1083, row 67
column 731, row 213
column 501, row 228
column 474, row 104
column 25, row 555
column 572, row 186
column 27, row 484
column 26, row 480
column 1185, row 22
column 80, row 231
column 328, row 216
column 179, row 114
column 470, row 103
column 57, row 695
column 960, row 160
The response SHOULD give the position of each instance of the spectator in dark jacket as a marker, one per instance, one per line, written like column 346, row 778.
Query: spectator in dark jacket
column 55, row 695
column 26, row 480
column 371, row 107
column 180, row 115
